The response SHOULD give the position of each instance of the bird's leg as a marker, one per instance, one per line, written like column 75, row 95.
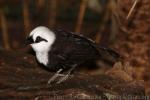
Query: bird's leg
column 67, row 75
column 57, row 74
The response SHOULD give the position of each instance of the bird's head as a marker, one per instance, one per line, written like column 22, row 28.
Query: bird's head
column 41, row 39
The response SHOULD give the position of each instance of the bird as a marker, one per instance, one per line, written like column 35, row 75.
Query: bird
column 61, row 50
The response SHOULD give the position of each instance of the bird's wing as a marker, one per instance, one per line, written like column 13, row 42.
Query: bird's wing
column 102, row 52
column 73, row 48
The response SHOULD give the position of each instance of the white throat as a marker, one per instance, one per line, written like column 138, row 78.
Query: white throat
column 42, row 57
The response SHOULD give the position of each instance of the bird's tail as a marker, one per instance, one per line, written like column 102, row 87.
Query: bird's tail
column 108, row 55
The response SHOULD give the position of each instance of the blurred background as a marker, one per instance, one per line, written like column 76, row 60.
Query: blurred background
column 93, row 18
column 123, row 25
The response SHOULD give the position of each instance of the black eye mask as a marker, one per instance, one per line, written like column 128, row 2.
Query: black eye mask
column 39, row 39
column 29, row 40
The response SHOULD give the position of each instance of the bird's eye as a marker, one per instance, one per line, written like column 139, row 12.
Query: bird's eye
column 39, row 39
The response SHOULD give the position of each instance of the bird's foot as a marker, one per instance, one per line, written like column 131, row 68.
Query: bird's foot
column 63, row 78
column 66, row 76
column 53, row 78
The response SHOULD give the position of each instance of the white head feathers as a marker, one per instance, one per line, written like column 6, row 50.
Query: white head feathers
column 44, row 33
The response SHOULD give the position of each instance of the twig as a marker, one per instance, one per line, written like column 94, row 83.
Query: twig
column 26, row 16
column 4, row 30
column 81, row 15
column 132, row 8
column 52, row 12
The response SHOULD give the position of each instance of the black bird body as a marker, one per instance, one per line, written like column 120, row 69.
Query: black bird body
column 60, row 50
column 70, row 49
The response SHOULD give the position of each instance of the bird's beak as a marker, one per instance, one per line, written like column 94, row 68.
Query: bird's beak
column 29, row 40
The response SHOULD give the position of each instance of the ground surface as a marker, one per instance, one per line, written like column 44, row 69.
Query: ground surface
column 22, row 79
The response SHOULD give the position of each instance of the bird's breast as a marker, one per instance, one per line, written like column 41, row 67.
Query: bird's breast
column 42, row 58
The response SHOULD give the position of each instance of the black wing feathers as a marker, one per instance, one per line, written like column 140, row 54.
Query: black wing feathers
column 69, row 49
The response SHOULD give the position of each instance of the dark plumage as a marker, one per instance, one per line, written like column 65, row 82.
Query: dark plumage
column 68, row 49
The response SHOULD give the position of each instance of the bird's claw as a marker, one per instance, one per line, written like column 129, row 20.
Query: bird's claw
column 55, row 76
column 63, row 79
